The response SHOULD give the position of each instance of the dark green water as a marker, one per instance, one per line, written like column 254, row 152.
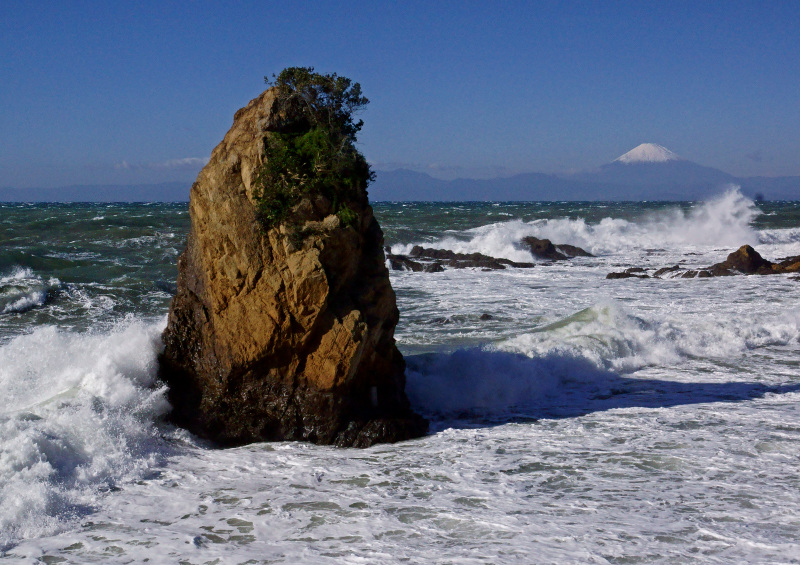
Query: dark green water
column 96, row 263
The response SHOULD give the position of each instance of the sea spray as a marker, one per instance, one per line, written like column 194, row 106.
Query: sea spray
column 691, row 457
column 22, row 290
column 576, row 360
column 722, row 222
column 78, row 417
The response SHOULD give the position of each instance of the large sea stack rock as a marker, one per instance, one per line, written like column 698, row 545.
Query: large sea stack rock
column 283, row 334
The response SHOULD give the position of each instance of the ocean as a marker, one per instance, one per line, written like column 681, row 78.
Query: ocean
column 574, row 419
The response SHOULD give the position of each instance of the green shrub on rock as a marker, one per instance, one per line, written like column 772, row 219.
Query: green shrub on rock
column 311, row 149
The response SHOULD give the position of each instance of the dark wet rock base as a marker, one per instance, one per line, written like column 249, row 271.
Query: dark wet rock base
column 743, row 261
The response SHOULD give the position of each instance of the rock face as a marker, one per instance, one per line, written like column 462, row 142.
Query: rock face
column 284, row 334
column 745, row 260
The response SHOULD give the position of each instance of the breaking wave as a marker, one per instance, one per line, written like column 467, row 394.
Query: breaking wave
column 22, row 290
column 77, row 418
column 723, row 222
column 576, row 360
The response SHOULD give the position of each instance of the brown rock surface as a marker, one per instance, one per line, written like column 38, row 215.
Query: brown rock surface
column 790, row 264
column 573, row 250
column 285, row 334
column 745, row 260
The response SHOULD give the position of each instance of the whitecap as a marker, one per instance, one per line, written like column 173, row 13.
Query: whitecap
column 78, row 417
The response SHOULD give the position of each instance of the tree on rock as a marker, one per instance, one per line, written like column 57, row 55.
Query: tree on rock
column 310, row 146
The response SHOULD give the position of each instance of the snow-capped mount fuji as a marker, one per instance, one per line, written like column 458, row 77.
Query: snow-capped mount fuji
column 647, row 172
column 652, row 172
column 648, row 153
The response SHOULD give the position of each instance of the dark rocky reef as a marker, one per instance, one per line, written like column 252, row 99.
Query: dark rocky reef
column 424, row 259
column 430, row 260
column 632, row 273
column 546, row 249
column 743, row 261
column 284, row 333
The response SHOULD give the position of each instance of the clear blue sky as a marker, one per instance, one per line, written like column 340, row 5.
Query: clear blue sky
column 131, row 92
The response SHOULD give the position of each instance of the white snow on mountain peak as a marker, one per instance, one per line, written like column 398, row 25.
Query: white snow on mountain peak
column 648, row 153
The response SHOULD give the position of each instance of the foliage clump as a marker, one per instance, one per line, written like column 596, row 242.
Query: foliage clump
column 310, row 149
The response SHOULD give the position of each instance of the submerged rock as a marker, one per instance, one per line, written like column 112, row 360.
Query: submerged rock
column 285, row 333
column 632, row 273
column 403, row 263
column 665, row 270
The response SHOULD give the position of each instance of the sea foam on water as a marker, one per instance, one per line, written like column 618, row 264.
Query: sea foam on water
column 77, row 417
column 22, row 290
column 574, row 419
column 722, row 222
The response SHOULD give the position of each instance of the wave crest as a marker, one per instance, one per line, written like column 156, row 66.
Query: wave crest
column 578, row 359
column 78, row 416
column 23, row 290
column 722, row 222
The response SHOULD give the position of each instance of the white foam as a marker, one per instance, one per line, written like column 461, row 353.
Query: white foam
column 77, row 416
column 17, row 274
column 25, row 303
column 23, row 290
column 723, row 222
column 613, row 339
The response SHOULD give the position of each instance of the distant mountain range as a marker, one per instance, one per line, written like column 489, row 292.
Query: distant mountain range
column 647, row 172
column 163, row 192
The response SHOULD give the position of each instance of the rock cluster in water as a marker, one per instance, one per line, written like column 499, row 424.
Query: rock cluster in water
column 434, row 261
column 743, row 261
column 285, row 333
column 423, row 259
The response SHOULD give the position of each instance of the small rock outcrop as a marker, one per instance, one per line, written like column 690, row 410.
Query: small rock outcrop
column 283, row 333
column 743, row 261
column 746, row 261
column 632, row 273
column 425, row 259
column 545, row 249
column 431, row 260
